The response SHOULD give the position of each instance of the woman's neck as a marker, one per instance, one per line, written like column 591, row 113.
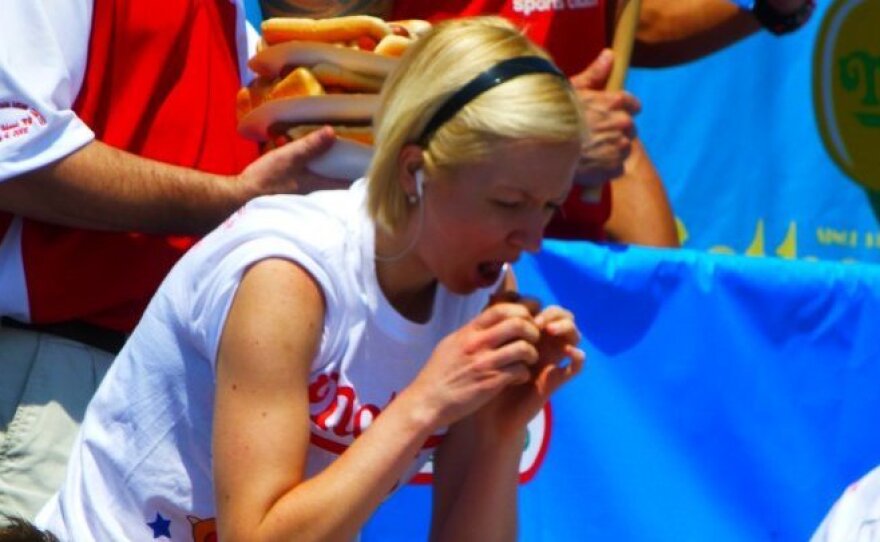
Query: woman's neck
column 405, row 281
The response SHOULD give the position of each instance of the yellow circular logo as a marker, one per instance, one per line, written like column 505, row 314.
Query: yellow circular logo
column 846, row 88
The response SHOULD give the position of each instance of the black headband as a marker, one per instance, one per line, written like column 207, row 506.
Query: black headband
column 494, row 76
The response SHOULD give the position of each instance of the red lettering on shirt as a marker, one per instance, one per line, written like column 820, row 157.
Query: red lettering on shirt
column 17, row 120
column 336, row 412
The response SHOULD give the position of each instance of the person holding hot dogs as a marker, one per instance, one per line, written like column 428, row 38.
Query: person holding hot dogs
column 575, row 33
column 307, row 356
column 118, row 143
column 634, row 207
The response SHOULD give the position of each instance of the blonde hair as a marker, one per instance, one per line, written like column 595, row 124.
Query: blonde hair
column 540, row 107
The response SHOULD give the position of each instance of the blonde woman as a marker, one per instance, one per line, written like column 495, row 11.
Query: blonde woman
column 248, row 399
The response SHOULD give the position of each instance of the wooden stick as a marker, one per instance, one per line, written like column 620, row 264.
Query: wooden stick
column 622, row 45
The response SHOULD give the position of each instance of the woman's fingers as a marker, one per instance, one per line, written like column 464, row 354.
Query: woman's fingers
column 558, row 322
column 500, row 311
column 514, row 374
column 577, row 357
column 552, row 377
column 510, row 330
column 509, row 338
column 521, row 352
column 565, row 330
column 504, row 323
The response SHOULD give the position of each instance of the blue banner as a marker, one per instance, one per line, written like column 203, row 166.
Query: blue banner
column 725, row 398
column 772, row 146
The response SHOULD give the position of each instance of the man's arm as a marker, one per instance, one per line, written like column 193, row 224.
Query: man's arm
column 670, row 32
column 103, row 188
column 640, row 209
column 99, row 187
column 677, row 31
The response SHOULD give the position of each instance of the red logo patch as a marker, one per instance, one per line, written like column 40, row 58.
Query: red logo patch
column 18, row 119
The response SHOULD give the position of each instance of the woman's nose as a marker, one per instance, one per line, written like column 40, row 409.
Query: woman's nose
column 528, row 238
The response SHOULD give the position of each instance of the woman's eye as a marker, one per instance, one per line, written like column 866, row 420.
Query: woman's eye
column 553, row 208
column 504, row 204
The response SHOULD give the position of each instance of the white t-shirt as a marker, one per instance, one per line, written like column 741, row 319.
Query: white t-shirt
column 855, row 517
column 44, row 50
column 144, row 449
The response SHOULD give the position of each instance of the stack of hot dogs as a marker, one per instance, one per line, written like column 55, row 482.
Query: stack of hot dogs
column 312, row 72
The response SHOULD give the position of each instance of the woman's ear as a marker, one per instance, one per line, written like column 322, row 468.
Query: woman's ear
column 409, row 161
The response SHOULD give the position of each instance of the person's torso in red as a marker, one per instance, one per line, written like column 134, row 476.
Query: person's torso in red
column 161, row 83
column 573, row 32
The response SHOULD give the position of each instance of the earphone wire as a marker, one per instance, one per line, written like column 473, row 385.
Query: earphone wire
column 387, row 259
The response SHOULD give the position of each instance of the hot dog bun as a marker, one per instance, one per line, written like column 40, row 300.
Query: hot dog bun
column 252, row 95
column 271, row 61
column 346, row 109
column 393, row 46
column 414, row 28
column 331, row 75
column 319, row 80
column 317, row 72
column 298, row 83
column 337, row 29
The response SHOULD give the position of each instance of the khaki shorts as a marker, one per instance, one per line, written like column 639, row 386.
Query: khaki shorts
column 45, row 386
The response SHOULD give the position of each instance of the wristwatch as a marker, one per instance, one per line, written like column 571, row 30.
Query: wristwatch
column 779, row 23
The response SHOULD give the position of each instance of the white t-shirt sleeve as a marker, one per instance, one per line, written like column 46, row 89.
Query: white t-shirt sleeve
column 214, row 298
column 43, row 53
column 855, row 517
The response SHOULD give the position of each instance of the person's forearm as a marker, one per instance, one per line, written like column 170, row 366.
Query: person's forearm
column 640, row 210
column 336, row 503
column 484, row 507
column 103, row 188
column 674, row 32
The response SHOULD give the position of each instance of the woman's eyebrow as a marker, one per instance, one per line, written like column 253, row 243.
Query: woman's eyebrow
column 529, row 196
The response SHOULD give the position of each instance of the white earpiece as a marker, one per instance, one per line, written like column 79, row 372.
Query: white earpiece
column 420, row 181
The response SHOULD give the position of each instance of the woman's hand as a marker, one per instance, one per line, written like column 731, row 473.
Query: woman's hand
column 509, row 412
column 495, row 351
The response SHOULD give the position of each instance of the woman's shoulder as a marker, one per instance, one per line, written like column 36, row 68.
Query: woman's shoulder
column 322, row 224
column 318, row 217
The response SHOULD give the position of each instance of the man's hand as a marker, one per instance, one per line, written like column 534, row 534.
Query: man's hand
column 284, row 169
column 609, row 116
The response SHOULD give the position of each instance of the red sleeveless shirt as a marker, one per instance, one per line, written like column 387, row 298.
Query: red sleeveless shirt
column 160, row 82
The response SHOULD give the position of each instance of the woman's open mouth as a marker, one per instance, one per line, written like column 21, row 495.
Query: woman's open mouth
column 489, row 273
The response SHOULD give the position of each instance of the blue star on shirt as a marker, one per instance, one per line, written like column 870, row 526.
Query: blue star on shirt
column 160, row 526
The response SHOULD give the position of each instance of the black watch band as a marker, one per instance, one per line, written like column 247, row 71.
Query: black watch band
column 779, row 23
